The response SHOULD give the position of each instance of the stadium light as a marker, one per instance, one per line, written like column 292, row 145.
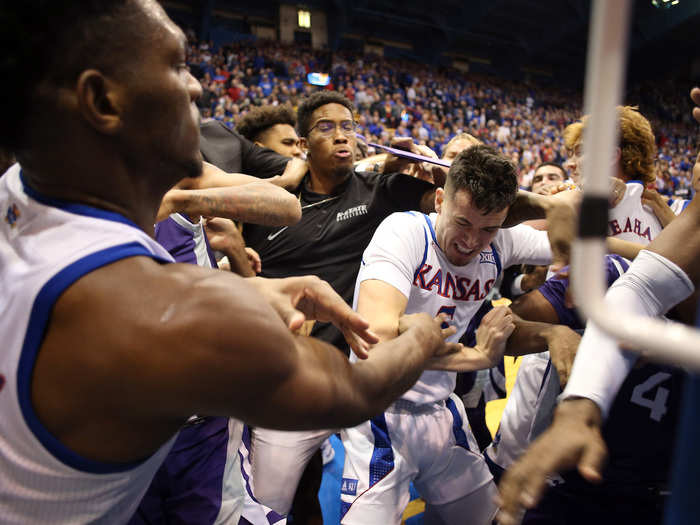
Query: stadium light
column 304, row 18
column 664, row 3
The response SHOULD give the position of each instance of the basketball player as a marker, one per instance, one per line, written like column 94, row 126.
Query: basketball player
column 446, row 262
column 108, row 349
column 659, row 278
column 633, row 164
column 272, row 127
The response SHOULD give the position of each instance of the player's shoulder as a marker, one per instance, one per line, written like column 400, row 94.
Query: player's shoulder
column 635, row 188
column 519, row 232
column 408, row 220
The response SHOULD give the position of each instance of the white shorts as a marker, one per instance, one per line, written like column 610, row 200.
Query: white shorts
column 276, row 459
column 431, row 445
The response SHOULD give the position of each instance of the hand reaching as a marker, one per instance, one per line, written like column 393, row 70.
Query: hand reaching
column 573, row 440
column 493, row 333
column 297, row 299
column 434, row 326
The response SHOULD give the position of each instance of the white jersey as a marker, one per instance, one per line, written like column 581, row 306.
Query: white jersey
column 678, row 205
column 630, row 220
column 45, row 246
column 515, row 430
column 405, row 254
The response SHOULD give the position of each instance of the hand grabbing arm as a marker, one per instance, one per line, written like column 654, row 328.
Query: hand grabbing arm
column 491, row 337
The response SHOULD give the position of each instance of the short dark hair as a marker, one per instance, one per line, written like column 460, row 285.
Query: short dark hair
column 46, row 40
column 489, row 177
column 259, row 119
column 315, row 101
column 555, row 164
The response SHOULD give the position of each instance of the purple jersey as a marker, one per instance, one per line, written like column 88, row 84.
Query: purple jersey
column 554, row 290
column 185, row 240
column 639, row 433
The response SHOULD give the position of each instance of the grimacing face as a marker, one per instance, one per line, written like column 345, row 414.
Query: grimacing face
column 463, row 230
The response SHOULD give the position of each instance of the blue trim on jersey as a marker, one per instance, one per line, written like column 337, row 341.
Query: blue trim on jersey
column 430, row 225
column 74, row 207
column 344, row 507
column 36, row 330
column 544, row 376
column 497, row 259
column 457, row 430
column 635, row 181
column 685, row 204
column 496, row 387
column 469, row 337
column 382, row 461
column 425, row 256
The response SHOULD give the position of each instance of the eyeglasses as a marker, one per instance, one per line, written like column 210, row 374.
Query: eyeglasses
column 327, row 127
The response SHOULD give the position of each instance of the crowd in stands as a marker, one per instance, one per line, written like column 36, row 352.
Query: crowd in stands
column 432, row 105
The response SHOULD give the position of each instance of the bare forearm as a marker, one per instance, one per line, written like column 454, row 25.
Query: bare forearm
column 392, row 368
column 530, row 337
column 466, row 360
column 258, row 203
column 528, row 206
column 329, row 391
column 238, row 261
column 679, row 241
column 627, row 249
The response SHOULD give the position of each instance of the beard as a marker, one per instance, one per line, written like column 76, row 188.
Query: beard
column 341, row 172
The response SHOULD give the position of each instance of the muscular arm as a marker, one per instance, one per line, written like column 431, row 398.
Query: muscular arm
column 537, row 329
column 259, row 203
column 382, row 305
column 214, row 177
column 155, row 344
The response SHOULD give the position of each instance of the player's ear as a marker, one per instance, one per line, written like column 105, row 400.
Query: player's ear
column 304, row 145
column 99, row 101
column 439, row 199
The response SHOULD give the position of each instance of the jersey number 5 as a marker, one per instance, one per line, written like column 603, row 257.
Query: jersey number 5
column 447, row 310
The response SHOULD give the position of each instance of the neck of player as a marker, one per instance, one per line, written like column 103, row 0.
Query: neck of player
column 325, row 183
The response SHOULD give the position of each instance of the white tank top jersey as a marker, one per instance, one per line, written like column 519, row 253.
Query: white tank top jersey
column 630, row 220
column 515, row 428
column 404, row 253
column 45, row 246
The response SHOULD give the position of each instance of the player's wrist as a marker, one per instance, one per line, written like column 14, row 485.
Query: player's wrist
column 581, row 409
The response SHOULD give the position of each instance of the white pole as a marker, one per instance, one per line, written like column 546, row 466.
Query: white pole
column 605, row 68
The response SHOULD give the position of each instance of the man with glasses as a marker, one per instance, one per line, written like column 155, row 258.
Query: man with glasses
column 340, row 211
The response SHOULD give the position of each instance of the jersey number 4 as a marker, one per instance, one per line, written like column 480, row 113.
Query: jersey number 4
column 658, row 404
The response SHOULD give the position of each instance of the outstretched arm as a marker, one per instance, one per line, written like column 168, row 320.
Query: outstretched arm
column 258, row 202
column 214, row 177
column 156, row 344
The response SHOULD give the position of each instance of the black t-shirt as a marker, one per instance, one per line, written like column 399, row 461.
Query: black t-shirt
column 233, row 153
column 333, row 233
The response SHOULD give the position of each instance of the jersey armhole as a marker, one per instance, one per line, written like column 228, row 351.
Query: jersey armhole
column 36, row 330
